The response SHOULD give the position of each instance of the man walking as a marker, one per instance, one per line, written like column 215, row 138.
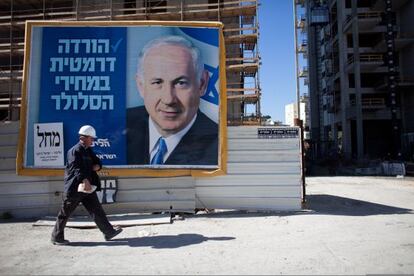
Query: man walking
column 81, row 181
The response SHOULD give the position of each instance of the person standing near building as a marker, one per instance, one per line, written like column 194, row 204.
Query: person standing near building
column 81, row 167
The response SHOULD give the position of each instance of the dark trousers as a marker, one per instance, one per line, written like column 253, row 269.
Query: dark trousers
column 92, row 205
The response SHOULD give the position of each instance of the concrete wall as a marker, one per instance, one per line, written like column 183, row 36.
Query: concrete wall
column 406, row 14
column 407, row 27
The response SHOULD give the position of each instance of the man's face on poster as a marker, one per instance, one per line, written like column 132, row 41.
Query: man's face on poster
column 170, row 88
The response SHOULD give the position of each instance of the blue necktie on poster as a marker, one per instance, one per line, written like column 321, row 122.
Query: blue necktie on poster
column 159, row 155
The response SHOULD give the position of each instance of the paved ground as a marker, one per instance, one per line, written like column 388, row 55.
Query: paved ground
column 353, row 225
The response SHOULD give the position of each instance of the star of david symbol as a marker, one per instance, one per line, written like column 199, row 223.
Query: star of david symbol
column 211, row 94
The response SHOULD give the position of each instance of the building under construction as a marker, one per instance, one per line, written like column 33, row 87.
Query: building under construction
column 240, row 32
column 361, row 76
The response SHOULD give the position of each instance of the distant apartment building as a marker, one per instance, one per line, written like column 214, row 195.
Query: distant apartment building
column 291, row 112
column 361, row 76
column 241, row 32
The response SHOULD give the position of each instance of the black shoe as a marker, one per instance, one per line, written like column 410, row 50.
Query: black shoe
column 115, row 233
column 60, row 242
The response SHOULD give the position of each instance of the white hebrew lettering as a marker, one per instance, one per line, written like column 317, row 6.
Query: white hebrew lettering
column 63, row 46
column 84, row 64
column 93, row 102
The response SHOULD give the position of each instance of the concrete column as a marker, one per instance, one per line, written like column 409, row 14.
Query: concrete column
column 357, row 73
column 295, row 40
column 343, row 75
column 314, row 78
column 334, row 130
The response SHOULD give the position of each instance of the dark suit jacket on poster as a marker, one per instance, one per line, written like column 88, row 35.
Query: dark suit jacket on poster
column 199, row 146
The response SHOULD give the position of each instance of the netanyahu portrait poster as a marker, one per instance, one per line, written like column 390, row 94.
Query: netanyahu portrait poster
column 153, row 92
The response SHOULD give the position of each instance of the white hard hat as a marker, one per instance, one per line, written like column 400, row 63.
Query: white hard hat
column 87, row 130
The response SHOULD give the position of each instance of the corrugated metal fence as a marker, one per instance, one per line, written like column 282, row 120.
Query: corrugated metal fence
column 263, row 174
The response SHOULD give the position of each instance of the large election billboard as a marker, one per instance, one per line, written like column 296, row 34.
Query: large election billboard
column 154, row 92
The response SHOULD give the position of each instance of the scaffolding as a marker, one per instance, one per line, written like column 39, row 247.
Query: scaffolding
column 241, row 35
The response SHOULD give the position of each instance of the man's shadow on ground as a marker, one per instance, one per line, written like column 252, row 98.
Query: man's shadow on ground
column 157, row 242
column 316, row 204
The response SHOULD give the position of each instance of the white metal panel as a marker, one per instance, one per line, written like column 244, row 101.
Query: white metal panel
column 8, row 151
column 156, row 195
column 28, row 196
column 149, row 206
column 9, row 127
column 37, row 212
column 34, row 187
column 11, row 177
column 178, row 193
column 262, row 144
column 31, row 200
column 271, row 204
column 249, row 179
column 246, row 191
column 262, row 174
column 7, row 163
column 272, row 168
column 8, row 139
column 263, row 156
column 156, row 183
column 242, row 132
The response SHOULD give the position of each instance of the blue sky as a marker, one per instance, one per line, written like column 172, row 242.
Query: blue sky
column 276, row 47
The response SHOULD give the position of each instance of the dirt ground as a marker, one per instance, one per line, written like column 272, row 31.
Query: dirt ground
column 352, row 225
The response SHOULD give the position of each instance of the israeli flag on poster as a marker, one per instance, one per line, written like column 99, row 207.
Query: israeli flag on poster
column 207, row 40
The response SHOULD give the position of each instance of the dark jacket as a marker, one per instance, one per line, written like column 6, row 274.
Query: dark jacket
column 199, row 146
column 79, row 165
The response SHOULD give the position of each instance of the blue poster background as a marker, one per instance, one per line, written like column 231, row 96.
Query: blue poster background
column 83, row 81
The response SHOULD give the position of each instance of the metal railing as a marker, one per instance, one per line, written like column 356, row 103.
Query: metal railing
column 367, row 58
column 364, row 15
column 370, row 102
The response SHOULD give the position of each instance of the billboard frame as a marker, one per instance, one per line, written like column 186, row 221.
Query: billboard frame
column 160, row 172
